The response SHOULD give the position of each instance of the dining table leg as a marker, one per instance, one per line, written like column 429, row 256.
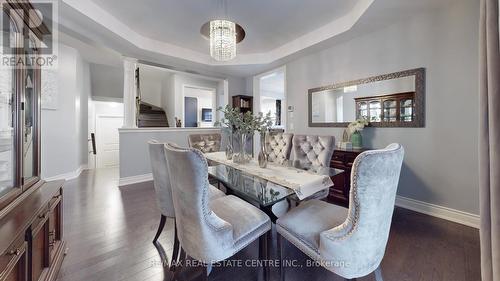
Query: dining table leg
column 269, row 211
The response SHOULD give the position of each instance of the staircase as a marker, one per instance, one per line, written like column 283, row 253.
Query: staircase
column 151, row 116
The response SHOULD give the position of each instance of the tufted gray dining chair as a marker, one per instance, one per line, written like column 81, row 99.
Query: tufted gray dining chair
column 313, row 153
column 211, row 232
column 349, row 242
column 205, row 142
column 161, row 182
column 279, row 146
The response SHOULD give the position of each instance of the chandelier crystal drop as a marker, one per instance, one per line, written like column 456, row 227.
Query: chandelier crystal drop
column 222, row 40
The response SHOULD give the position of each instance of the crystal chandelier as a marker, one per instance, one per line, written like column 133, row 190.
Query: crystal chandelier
column 222, row 40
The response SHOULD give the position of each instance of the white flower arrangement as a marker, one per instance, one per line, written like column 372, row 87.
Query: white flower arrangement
column 357, row 125
column 353, row 127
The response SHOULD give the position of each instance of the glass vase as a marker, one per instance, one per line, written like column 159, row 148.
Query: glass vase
column 229, row 146
column 241, row 157
column 263, row 157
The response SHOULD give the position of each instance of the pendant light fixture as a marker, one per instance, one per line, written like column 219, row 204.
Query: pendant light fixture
column 223, row 35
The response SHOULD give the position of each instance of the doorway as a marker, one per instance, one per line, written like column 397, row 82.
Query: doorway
column 270, row 96
column 199, row 106
column 108, row 141
column 191, row 112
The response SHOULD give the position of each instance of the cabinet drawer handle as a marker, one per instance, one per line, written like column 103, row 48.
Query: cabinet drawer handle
column 15, row 252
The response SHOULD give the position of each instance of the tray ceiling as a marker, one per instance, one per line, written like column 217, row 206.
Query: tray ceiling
column 274, row 29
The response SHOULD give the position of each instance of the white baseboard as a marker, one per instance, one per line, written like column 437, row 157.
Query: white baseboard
column 135, row 179
column 453, row 215
column 68, row 176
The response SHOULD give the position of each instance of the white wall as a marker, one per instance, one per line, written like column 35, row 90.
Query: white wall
column 440, row 165
column 168, row 98
column 64, row 131
column 151, row 85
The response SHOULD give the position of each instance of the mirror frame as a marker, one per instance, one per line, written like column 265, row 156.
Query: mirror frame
column 418, row 121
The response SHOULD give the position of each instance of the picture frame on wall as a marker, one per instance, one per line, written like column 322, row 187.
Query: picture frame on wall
column 49, row 98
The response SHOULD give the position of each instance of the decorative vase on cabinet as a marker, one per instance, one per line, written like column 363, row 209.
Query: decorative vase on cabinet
column 357, row 140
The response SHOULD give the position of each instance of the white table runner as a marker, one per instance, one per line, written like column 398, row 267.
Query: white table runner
column 303, row 183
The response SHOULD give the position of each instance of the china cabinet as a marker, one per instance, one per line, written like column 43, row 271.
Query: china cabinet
column 31, row 238
column 387, row 108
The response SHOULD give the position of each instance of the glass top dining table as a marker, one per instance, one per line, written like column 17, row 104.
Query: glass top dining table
column 255, row 189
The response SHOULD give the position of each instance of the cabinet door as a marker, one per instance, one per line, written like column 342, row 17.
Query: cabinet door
column 362, row 110
column 38, row 239
column 390, row 111
column 10, row 185
column 406, row 110
column 14, row 263
column 55, row 231
column 30, row 114
column 375, row 111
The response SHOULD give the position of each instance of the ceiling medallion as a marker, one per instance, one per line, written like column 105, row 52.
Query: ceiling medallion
column 223, row 36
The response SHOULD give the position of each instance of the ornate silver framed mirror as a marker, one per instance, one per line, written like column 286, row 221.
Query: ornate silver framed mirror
column 390, row 100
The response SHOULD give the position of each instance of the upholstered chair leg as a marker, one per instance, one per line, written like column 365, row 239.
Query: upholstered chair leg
column 205, row 273
column 263, row 255
column 175, row 251
column 280, row 256
column 163, row 219
column 378, row 274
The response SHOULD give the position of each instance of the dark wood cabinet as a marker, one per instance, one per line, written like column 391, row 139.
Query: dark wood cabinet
column 33, row 248
column 342, row 159
column 14, row 261
column 243, row 103
column 31, row 240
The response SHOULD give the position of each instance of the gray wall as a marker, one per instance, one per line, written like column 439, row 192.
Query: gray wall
column 236, row 86
column 107, row 81
column 64, row 130
column 440, row 165
column 134, row 153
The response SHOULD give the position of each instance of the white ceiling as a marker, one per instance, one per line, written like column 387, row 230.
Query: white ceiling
column 277, row 30
column 268, row 24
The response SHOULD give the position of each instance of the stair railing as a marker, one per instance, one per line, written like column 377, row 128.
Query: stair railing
column 138, row 97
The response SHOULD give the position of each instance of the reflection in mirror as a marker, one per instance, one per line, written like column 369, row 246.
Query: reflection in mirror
column 7, row 134
column 29, row 143
column 386, row 100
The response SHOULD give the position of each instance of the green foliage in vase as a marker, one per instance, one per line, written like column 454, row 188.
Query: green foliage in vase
column 264, row 122
column 244, row 123
column 231, row 115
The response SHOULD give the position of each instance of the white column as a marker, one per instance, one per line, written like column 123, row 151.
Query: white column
column 129, row 93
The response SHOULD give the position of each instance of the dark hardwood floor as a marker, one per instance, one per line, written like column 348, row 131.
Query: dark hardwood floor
column 109, row 232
